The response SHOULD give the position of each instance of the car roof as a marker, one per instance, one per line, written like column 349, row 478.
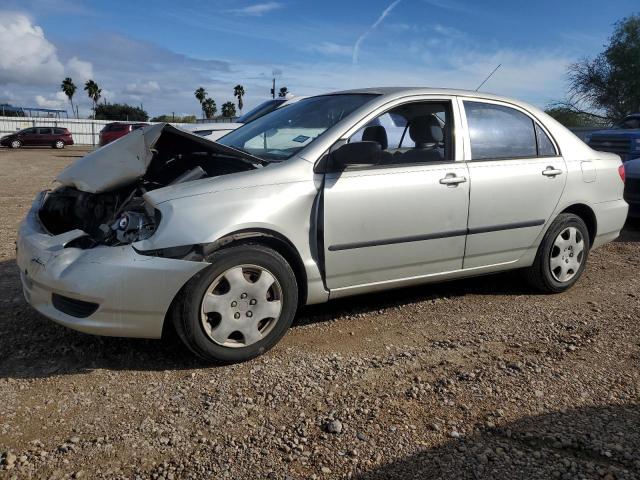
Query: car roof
column 406, row 91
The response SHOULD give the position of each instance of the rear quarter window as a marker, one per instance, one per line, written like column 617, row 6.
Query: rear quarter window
column 59, row 131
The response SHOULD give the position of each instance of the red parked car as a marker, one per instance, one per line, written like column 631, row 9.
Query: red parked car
column 54, row 137
column 113, row 131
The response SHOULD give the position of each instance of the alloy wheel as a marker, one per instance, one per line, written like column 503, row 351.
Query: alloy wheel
column 241, row 306
column 567, row 254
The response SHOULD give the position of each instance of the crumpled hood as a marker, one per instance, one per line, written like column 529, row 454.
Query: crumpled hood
column 127, row 159
column 115, row 164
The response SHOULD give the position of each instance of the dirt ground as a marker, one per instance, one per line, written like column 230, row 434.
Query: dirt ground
column 480, row 378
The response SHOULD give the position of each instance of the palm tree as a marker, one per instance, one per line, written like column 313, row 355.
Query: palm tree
column 209, row 107
column 69, row 88
column 229, row 109
column 238, row 92
column 201, row 95
column 94, row 93
column 284, row 91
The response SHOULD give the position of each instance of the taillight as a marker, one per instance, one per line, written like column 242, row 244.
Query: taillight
column 621, row 172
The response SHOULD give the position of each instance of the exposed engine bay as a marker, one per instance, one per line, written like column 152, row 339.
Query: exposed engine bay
column 120, row 215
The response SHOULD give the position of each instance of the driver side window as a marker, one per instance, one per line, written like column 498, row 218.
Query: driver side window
column 413, row 133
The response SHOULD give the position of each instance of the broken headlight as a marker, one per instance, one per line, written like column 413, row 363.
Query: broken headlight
column 134, row 226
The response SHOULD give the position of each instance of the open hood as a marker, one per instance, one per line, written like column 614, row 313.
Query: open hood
column 121, row 162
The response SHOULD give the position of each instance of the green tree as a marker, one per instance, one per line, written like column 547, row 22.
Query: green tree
column 174, row 118
column 238, row 92
column 610, row 83
column 120, row 111
column 571, row 118
column 229, row 109
column 284, row 91
column 209, row 107
column 94, row 92
column 201, row 96
column 69, row 88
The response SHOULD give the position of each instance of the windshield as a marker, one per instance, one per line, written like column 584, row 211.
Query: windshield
column 282, row 133
column 628, row 123
column 260, row 110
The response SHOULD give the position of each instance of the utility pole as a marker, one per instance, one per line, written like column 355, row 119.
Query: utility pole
column 273, row 88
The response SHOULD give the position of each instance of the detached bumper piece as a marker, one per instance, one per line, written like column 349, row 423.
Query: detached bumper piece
column 73, row 307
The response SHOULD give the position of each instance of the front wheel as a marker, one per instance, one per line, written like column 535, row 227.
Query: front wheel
column 58, row 144
column 239, row 307
column 16, row 143
column 562, row 255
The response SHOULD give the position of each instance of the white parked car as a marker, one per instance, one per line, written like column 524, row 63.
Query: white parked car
column 336, row 195
column 215, row 130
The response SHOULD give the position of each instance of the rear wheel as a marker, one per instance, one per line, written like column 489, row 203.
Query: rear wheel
column 562, row 255
column 16, row 143
column 239, row 307
column 58, row 144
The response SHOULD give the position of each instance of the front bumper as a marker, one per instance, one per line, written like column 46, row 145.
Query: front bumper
column 132, row 292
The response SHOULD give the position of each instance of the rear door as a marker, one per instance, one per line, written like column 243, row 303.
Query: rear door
column 517, row 178
column 45, row 136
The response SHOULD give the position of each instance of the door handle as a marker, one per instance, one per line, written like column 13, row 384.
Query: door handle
column 551, row 172
column 452, row 179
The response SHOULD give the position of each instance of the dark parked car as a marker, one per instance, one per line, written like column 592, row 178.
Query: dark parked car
column 623, row 138
column 632, row 186
column 54, row 137
column 113, row 131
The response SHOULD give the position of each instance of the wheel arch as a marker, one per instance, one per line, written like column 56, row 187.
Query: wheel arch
column 271, row 239
column 587, row 215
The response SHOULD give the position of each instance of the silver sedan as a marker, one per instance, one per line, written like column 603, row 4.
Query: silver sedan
column 336, row 195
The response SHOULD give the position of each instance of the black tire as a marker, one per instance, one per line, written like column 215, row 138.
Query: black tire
column 58, row 145
column 187, row 310
column 15, row 144
column 539, row 275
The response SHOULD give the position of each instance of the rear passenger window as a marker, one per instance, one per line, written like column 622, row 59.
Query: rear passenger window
column 44, row 131
column 545, row 146
column 499, row 132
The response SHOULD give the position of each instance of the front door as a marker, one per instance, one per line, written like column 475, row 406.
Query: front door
column 403, row 218
column 517, row 178
column 29, row 136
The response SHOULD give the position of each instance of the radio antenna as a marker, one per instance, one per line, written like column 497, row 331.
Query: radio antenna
column 488, row 77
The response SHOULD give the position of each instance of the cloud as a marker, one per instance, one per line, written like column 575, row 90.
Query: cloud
column 330, row 48
column 383, row 15
column 450, row 5
column 142, row 88
column 257, row 10
column 79, row 70
column 26, row 56
column 56, row 100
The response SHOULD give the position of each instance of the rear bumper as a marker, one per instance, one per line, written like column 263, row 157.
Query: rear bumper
column 610, row 217
column 132, row 292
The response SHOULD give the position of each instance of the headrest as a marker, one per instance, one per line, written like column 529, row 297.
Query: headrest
column 426, row 129
column 376, row 133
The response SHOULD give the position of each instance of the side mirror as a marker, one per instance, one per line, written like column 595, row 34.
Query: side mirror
column 356, row 153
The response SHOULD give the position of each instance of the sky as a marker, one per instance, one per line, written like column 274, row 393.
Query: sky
column 157, row 53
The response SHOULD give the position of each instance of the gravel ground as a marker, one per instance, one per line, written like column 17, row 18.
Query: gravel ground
column 473, row 379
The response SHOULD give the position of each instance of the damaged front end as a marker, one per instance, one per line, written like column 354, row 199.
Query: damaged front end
column 103, row 193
